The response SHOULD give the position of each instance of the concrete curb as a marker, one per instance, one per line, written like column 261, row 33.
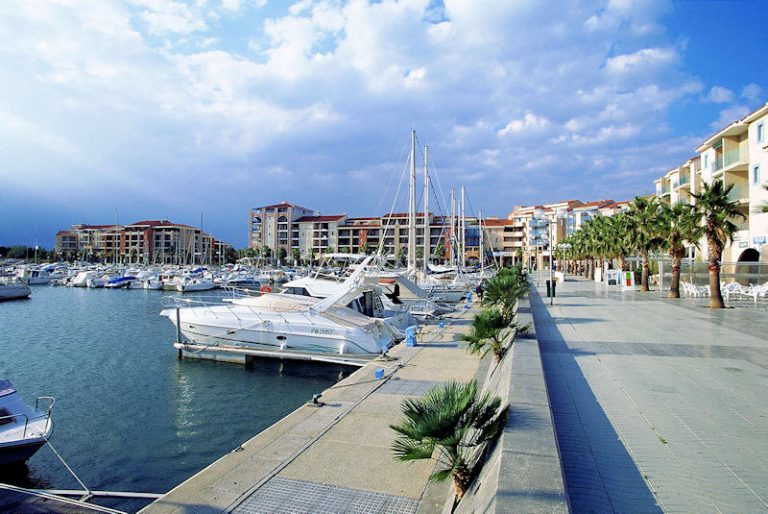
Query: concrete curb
column 523, row 472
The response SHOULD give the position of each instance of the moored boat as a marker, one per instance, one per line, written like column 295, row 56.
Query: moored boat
column 23, row 429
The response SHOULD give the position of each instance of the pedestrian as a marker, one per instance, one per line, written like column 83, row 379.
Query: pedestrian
column 479, row 291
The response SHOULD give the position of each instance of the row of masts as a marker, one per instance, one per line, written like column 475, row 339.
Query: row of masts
column 457, row 220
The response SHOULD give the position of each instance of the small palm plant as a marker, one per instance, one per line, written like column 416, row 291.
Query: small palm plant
column 490, row 331
column 504, row 290
column 455, row 419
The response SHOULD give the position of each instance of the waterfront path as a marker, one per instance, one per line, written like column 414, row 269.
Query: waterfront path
column 337, row 457
column 659, row 405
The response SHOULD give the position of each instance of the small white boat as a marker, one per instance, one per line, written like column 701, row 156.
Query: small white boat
column 34, row 276
column 23, row 429
column 13, row 289
column 190, row 284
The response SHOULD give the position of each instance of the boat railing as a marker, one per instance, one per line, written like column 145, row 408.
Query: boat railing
column 46, row 415
column 46, row 402
column 203, row 302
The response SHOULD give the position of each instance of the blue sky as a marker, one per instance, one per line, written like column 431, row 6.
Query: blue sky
column 166, row 109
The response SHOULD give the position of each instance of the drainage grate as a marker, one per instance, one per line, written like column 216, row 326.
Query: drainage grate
column 407, row 387
column 286, row 495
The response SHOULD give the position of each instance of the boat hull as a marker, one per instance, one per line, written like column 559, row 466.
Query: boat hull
column 19, row 452
column 14, row 292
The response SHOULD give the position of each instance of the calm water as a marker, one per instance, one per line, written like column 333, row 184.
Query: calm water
column 129, row 415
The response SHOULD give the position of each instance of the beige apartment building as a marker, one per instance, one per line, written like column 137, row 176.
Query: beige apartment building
column 143, row 242
column 290, row 227
column 737, row 154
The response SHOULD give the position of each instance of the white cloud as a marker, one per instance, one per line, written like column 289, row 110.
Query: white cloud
column 152, row 93
column 169, row 17
column 720, row 95
column 729, row 115
column 640, row 61
column 529, row 122
column 752, row 92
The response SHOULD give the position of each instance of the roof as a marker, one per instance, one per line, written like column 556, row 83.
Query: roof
column 157, row 223
column 734, row 128
column 599, row 204
column 65, row 233
column 498, row 223
column 281, row 204
column 96, row 227
column 402, row 215
column 320, row 219
column 375, row 218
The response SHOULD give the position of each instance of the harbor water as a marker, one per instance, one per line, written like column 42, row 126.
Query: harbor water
column 129, row 415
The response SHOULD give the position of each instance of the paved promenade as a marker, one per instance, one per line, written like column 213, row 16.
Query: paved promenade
column 659, row 405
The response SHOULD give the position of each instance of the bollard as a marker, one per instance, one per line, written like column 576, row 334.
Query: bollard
column 549, row 293
column 469, row 297
column 379, row 373
column 410, row 335
column 441, row 324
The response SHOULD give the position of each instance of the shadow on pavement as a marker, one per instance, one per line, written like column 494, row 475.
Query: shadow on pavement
column 600, row 475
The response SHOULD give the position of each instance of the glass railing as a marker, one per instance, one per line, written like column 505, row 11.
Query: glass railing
column 684, row 180
column 732, row 157
column 738, row 192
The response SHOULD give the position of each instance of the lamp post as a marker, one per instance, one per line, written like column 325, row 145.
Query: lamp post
column 551, row 282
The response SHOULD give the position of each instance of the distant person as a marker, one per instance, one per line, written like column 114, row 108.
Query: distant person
column 479, row 291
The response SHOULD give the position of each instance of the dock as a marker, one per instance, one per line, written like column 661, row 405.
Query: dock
column 335, row 455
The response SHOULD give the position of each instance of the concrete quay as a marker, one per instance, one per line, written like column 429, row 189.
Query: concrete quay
column 337, row 457
column 659, row 405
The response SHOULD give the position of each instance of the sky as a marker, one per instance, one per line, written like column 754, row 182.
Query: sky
column 198, row 111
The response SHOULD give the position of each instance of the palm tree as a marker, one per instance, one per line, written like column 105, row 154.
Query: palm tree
column 680, row 225
column 717, row 212
column 455, row 419
column 643, row 217
column 489, row 332
column 504, row 290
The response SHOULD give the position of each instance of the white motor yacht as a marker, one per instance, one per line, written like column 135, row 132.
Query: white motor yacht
column 12, row 288
column 23, row 429
column 283, row 323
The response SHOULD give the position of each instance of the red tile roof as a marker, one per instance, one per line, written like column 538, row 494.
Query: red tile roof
column 599, row 204
column 401, row 215
column 320, row 219
column 157, row 223
column 498, row 223
column 281, row 204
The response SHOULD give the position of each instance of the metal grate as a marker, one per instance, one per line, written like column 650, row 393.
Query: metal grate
column 286, row 495
column 407, row 387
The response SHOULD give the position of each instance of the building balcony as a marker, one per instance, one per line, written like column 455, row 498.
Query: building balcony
column 739, row 193
column 732, row 160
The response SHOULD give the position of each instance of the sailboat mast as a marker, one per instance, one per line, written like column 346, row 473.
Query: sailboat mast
column 452, row 235
column 412, row 208
column 481, row 252
column 427, row 236
column 462, row 232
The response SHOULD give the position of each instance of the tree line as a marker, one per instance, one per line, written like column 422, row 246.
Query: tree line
column 650, row 225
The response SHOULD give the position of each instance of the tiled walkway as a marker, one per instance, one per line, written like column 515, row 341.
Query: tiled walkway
column 659, row 405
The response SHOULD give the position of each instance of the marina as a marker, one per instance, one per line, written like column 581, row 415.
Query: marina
column 130, row 416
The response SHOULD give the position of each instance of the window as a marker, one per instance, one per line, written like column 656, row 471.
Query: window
column 760, row 132
column 706, row 161
column 756, row 174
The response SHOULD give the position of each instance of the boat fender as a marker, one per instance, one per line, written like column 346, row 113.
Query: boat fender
column 265, row 289
column 342, row 348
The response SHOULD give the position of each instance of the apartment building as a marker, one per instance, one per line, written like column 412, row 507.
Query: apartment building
column 144, row 242
column 737, row 154
column 275, row 227
column 525, row 235
column 280, row 226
